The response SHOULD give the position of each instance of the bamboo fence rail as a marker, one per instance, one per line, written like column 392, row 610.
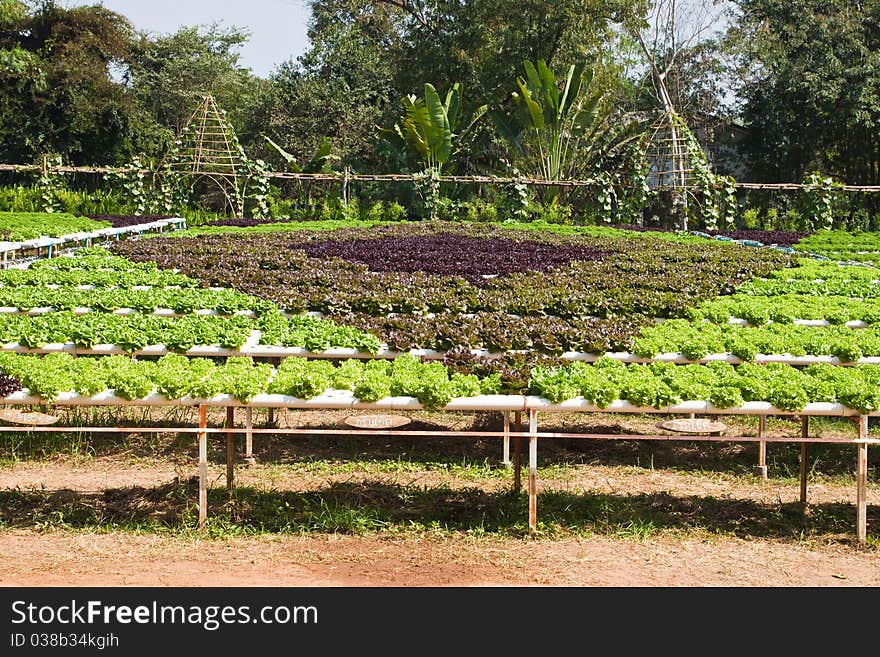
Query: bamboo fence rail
column 344, row 177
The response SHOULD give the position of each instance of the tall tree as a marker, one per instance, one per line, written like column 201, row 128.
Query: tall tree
column 171, row 74
column 370, row 53
column 342, row 87
column 811, row 87
column 57, row 90
column 680, row 88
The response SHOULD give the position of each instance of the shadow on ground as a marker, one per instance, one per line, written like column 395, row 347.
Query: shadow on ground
column 372, row 505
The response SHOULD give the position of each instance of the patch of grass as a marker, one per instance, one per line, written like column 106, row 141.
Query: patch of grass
column 280, row 226
column 374, row 506
column 464, row 468
column 29, row 446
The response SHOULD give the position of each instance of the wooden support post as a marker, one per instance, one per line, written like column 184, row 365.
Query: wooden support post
column 505, row 450
column 203, row 466
column 517, row 452
column 249, row 460
column 805, row 433
column 862, row 482
column 230, row 448
column 533, row 471
column 761, row 468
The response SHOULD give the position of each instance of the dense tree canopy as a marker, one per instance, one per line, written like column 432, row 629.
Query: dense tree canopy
column 169, row 75
column 57, row 93
column 83, row 83
column 812, row 87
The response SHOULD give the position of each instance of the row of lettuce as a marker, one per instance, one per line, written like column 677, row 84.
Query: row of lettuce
column 656, row 385
column 23, row 226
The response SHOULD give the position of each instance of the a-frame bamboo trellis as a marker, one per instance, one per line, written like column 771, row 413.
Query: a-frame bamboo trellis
column 208, row 149
column 667, row 153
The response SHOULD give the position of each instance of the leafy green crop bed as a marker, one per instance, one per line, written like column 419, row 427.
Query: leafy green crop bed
column 837, row 240
column 625, row 281
column 814, row 291
column 697, row 339
column 843, row 246
column 21, row 226
column 114, row 277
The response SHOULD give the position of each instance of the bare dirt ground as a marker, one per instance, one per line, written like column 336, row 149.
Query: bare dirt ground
column 62, row 559
column 699, row 496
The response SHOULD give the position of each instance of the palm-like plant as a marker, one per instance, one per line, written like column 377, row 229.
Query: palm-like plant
column 428, row 125
column 560, row 129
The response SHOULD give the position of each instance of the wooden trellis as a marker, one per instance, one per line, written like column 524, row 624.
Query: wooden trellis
column 667, row 155
column 207, row 149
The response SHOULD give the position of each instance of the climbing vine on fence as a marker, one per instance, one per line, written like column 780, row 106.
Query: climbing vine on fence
column 131, row 180
column 427, row 185
column 715, row 194
column 49, row 183
column 816, row 202
column 633, row 196
column 256, row 187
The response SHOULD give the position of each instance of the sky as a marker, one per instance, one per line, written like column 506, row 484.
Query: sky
column 277, row 27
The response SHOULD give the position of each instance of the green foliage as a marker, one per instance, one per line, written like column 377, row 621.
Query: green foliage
column 425, row 136
column 171, row 73
column 659, row 385
column 134, row 332
column 132, row 183
column 319, row 162
column 816, row 203
column 428, row 125
column 810, row 71
column 561, row 128
column 427, row 185
column 716, row 195
column 56, row 90
column 256, row 188
column 49, row 183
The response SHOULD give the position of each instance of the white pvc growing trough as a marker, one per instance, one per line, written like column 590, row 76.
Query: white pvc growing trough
column 8, row 250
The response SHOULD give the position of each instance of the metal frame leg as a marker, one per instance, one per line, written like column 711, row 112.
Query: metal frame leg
column 862, row 482
column 533, row 472
column 203, row 466
column 505, row 450
column 517, row 453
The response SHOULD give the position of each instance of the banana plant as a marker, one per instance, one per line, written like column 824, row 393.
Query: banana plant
column 429, row 126
column 319, row 162
column 426, row 134
column 559, row 127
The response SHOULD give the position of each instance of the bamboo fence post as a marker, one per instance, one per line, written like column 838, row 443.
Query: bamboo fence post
column 249, row 459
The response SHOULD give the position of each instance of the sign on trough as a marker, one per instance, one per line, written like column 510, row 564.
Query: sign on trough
column 376, row 421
